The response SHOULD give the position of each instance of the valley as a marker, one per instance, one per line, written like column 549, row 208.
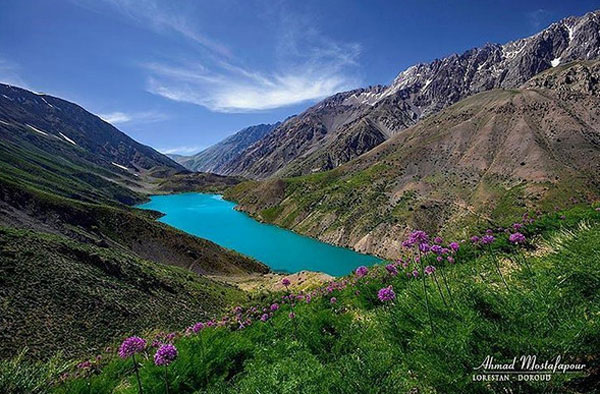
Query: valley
column 384, row 239
column 210, row 217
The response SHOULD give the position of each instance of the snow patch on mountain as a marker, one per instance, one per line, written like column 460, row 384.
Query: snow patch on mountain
column 555, row 62
column 67, row 138
column 120, row 166
column 36, row 130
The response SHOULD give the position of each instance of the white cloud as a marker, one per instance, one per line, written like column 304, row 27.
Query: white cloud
column 132, row 117
column 310, row 67
column 181, row 150
column 306, row 65
column 241, row 91
column 538, row 18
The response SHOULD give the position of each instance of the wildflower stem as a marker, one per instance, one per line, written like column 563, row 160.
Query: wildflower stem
column 439, row 289
column 203, row 359
column 425, row 290
column 497, row 266
column 446, row 284
column 166, row 379
column 137, row 374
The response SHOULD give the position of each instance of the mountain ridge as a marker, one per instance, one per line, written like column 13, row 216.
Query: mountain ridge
column 216, row 157
column 349, row 124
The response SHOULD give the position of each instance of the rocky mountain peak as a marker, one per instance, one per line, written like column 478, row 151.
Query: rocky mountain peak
column 348, row 124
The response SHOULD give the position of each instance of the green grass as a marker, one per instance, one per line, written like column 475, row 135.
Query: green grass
column 359, row 345
column 64, row 297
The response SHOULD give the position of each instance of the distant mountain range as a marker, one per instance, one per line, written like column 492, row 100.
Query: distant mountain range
column 489, row 157
column 218, row 157
column 349, row 124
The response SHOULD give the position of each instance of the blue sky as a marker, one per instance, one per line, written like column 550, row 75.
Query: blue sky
column 182, row 75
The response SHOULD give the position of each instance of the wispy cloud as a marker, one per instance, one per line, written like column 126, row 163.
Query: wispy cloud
column 163, row 17
column 9, row 73
column 311, row 67
column 231, row 90
column 306, row 65
column 181, row 150
column 538, row 18
column 133, row 117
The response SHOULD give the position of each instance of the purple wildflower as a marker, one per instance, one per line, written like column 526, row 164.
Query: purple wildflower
column 487, row 239
column 415, row 273
column 418, row 236
column 391, row 269
column 517, row 238
column 517, row 226
column 274, row 307
column 131, row 346
column 430, row 269
column 84, row 364
column 264, row 317
column 292, row 315
column 475, row 239
column 361, row 271
column 286, row 282
column 165, row 355
column 438, row 240
column 198, row 327
column 386, row 294
column 437, row 249
column 333, row 300
column 450, row 259
column 454, row 246
column 424, row 247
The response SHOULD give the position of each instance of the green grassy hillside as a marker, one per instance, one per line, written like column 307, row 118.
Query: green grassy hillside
column 63, row 297
column 427, row 339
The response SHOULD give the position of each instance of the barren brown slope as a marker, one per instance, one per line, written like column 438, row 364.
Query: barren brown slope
column 492, row 155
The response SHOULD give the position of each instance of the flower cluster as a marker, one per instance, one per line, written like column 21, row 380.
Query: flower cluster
column 361, row 271
column 420, row 262
column 165, row 355
column 517, row 238
column 131, row 346
column 386, row 294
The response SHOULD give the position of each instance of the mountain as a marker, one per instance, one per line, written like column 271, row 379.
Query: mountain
column 74, row 253
column 493, row 155
column 215, row 158
column 351, row 123
column 52, row 121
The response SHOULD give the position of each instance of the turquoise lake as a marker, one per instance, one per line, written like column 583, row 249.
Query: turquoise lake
column 211, row 217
